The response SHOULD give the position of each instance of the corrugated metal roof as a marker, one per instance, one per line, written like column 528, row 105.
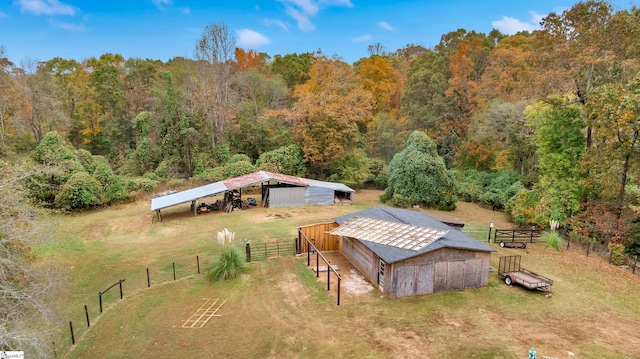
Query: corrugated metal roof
column 398, row 235
column 333, row 185
column 187, row 196
column 237, row 183
column 452, row 239
column 261, row 176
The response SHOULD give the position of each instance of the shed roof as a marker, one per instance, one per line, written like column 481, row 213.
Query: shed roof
column 213, row 189
column 390, row 254
column 332, row 185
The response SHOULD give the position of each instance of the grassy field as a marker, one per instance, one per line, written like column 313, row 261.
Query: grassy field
column 278, row 309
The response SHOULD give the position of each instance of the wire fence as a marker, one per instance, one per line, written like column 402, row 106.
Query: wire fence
column 116, row 289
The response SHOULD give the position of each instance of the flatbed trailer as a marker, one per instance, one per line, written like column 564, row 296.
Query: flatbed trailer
column 509, row 268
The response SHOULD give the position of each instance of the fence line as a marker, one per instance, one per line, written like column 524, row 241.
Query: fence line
column 514, row 234
column 270, row 249
column 312, row 248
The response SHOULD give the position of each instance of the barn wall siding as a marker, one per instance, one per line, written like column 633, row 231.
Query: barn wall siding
column 286, row 197
column 363, row 259
column 315, row 195
column 443, row 270
column 319, row 235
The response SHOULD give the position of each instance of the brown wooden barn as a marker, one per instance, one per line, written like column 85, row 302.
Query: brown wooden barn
column 408, row 253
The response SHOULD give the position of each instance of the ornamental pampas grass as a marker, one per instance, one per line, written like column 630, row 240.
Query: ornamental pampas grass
column 230, row 263
column 225, row 237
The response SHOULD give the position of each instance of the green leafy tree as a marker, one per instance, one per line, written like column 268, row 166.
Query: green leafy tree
column 293, row 68
column 287, row 160
column 418, row 175
column 80, row 191
column 559, row 137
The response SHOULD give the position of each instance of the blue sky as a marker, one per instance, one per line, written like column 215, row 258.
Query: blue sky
column 162, row 29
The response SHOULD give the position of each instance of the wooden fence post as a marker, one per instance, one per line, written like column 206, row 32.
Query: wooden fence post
column 86, row 312
column 588, row 247
column 635, row 262
column 174, row 270
column 198, row 263
column 247, row 247
column 73, row 339
column 148, row 279
column 120, row 282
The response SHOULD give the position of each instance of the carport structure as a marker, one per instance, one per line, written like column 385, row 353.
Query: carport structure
column 277, row 190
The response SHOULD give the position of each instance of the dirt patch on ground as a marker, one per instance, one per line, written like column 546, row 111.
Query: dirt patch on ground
column 352, row 282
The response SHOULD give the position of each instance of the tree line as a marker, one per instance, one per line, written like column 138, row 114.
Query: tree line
column 542, row 124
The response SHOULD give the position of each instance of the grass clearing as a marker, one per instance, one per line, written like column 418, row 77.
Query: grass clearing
column 278, row 308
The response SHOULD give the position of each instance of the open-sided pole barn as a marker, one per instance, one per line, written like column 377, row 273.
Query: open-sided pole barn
column 277, row 190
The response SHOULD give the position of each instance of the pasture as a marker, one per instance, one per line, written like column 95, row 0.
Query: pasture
column 278, row 309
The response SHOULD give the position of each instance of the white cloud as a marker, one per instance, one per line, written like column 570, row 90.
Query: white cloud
column 308, row 7
column 303, row 10
column 67, row 26
column 47, row 7
column 161, row 4
column 274, row 22
column 304, row 23
column 346, row 3
column 510, row 26
column 247, row 37
column 365, row 37
column 385, row 26
column 72, row 27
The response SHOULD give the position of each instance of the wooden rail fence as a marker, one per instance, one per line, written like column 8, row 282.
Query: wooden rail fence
column 530, row 235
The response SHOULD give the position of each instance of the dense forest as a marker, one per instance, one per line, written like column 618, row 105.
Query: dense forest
column 543, row 125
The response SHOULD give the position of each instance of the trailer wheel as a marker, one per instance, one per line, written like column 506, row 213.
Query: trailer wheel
column 507, row 280
column 501, row 244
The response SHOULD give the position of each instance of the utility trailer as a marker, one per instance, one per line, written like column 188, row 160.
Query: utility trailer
column 519, row 245
column 509, row 268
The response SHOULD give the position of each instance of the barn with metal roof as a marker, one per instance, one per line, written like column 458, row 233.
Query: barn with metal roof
column 407, row 252
column 277, row 190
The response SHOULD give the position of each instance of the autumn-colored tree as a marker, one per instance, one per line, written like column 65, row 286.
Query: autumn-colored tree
column 615, row 114
column 509, row 71
column 382, row 80
column 8, row 96
column 40, row 105
column 502, row 127
column 249, row 59
column 467, row 65
column 330, row 114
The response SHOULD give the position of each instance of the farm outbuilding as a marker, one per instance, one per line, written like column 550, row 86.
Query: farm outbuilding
column 407, row 253
column 277, row 190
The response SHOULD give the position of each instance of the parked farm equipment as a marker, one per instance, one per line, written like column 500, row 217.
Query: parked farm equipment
column 509, row 268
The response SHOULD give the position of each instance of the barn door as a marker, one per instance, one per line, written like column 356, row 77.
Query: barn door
column 381, row 267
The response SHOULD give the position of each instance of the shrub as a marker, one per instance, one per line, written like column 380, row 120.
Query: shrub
column 140, row 183
column 617, row 254
column 231, row 261
column 81, row 191
column 552, row 239
column 239, row 168
column 211, row 174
